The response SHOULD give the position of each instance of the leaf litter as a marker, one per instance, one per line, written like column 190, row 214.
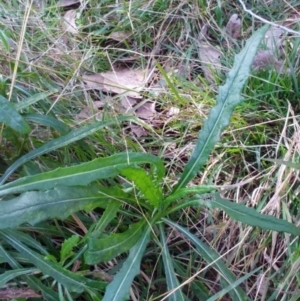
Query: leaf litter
column 210, row 55
column 233, row 27
column 127, row 81
column 70, row 21
column 129, row 84
column 65, row 3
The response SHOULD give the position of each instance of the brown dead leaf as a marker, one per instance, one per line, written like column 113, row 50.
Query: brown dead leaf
column 69, row 21
column 233, row 27
column 266, row 59
column 274, row 38
column 94, row 81
column 64, row 3
column 88, row 112
column 12, row 293
column 138, row 130
column 210, row 58
column 128, row 103
column 119, row 36
column 261, row 284
column 146, row 111
column 121, row 81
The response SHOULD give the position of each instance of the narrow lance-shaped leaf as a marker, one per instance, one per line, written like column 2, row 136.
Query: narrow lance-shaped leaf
column 33, row 207
column 118, row 289
column 82, row 174
column 10, row 117
column 71, row 137
column 105, row 249
column 229, row 97
column 250, row 216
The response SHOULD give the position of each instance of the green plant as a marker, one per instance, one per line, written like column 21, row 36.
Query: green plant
column 111, row 184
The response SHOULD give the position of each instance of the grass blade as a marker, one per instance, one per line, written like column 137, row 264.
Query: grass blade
column 71, row 137
column 212, row 258
column 32, row 100
column 82, row 174
column 47, row 120
column 172, row 281
column 33, row 282
column 118, row 289
column 286, row 163
column 229, row 288
column 219, row 117
column 9, row 275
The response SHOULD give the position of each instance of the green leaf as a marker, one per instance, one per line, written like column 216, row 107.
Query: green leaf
column 70, row 280
column 29, row 241
column 108, row 215
column 196, row 286
column 33, row 282
column 212, row 258
column 71, row 137
column 169, row 82
column 67, row 247
column 105, row 249
column 118, row 289
column 7, row 276
column 47, row 120
column 185, row 192
column 250, row 216
column 229, row 97
column 172, row 281
column 145, row 183
column 229, row 288
column 5, row 41
column 32, row 100
column 82, row 174
column 33, row 207
column 10, row 117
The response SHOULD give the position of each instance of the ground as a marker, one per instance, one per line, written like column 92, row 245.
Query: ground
column 117, row 180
